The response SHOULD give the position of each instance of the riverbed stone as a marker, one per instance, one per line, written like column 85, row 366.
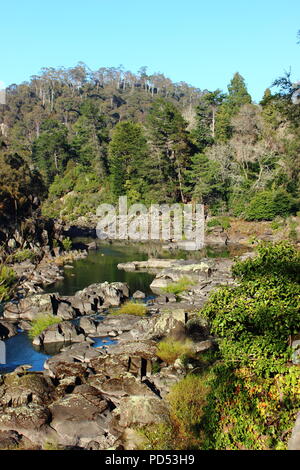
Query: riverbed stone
column 138, row 295
column 104, row 294
column 83, row 416
column 141, row 411
column 63, row 332
column 22, row 390
column 30, row 420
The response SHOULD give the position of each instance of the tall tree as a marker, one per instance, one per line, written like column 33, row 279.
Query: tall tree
column 170, row 145
column 51, row 150
column 127, row 154
column 237, row 96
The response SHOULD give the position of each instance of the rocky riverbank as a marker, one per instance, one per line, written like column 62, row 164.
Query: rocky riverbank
column 98, row 397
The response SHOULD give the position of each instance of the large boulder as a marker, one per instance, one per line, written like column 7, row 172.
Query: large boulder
column 117, row 323
column 81, row 417
column 118, row 387
column 104, row 294
column 72, row 361
column 29, row 388
column 64, row 332
column 32, row 306
column 171, row 322
column 31, row 420
column 141, row 411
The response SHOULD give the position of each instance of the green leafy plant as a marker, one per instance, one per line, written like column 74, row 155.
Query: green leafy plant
column 178, row 287
column 42, row 322
column 67, row 244
column 131, row 308
column 8, row 278
column 24, row 255
column 169, row 350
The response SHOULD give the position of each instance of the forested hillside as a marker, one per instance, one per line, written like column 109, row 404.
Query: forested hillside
column 74, row 138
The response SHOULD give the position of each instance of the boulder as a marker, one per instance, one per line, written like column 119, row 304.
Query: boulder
column 104, row 294
column 64, row 332
column 171, row 322
column 30, row 420
column 32, row 306
column 119, row 323
column 81, row 417
column 29, row 388
column 72, row 361
column 138, row 295
column 88, row 325
column 141, row 411
column 117, row 387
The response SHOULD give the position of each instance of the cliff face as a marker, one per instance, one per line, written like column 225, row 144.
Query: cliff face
column 33, row 232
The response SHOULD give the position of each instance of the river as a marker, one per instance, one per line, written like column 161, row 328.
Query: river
column 101, row 265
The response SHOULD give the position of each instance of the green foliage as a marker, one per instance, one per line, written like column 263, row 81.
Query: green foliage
column 23, row 255
column 237, row 96
column 179, row 286
column 42, row 322
column 127, row 152
column 255, row 319
column 247, row 412
column 169, row 350
column 223, row 222
column 266, row 205
column 7, row 280
column 249, row 398
column 67, row 244
column 51, row 150
column 131, row 308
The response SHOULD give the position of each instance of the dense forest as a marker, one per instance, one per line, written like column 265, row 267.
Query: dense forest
column 73, row 138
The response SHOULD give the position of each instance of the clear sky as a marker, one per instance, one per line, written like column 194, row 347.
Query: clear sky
column 201, row 42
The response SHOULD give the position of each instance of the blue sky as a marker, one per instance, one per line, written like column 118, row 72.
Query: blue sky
column 200, row 42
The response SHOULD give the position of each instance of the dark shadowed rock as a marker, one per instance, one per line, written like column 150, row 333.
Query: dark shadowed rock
column 7, row 329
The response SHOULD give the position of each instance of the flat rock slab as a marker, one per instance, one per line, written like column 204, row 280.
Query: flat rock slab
column 81, row 417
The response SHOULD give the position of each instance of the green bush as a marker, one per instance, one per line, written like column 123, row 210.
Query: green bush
column 23, row 255
column 67, row 244
column 255, row 319
column 223, row 222
column 131, row 308
column 180, row 286
column 169, row 349
column 42, row 322
column 8, row 278
column 266, row 205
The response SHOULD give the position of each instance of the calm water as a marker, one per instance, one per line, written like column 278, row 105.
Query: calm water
column 99, row 266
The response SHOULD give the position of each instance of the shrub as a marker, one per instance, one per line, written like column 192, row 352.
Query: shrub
column 67, row 244
column 187, row 401
column 169, row 349
column 131, row 308
column 8, row 278
column 223, row 222
column 180, row 286
column 255, row 319
column 42, row 322
column 23, row 255
column 266, row 205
